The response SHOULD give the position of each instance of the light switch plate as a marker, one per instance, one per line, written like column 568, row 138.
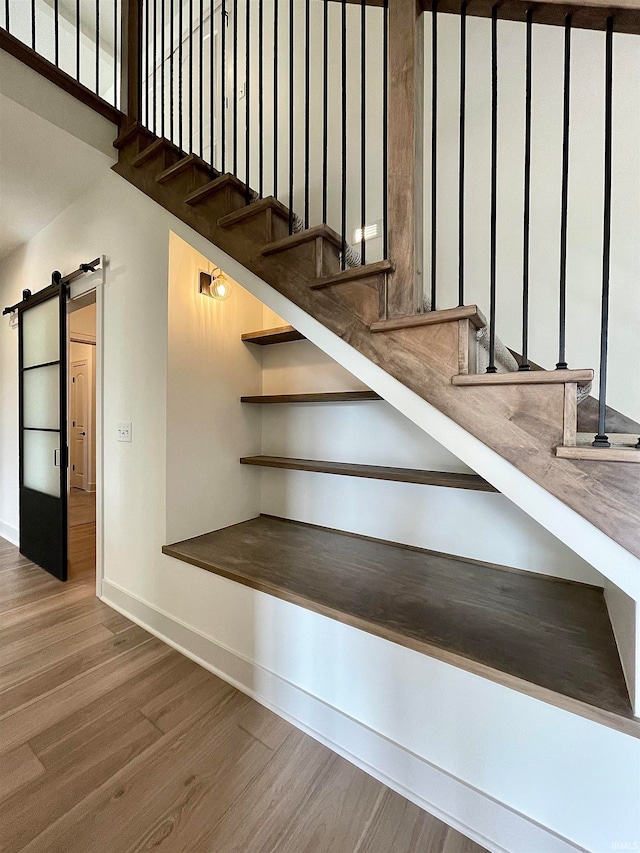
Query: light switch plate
column 124, row 431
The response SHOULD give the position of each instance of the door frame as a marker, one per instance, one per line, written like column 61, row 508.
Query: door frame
column 95, row 291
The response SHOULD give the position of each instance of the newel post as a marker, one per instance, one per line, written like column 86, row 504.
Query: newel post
column 131, row 58
column 405, row 156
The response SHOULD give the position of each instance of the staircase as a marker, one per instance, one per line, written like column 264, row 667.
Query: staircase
column 530, row 418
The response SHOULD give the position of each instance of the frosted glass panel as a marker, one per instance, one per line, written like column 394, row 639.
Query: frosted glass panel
column 42, row 397
column 41, row 333
column 40, row 471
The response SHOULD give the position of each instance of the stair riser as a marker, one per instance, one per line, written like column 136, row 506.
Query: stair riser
column 188, row 181
column 262, row 228
column 218, row 204
column 160, row 161
column 135, row 146
column 361, row 297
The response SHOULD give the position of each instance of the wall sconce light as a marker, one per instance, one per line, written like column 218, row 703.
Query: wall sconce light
column 215, row 284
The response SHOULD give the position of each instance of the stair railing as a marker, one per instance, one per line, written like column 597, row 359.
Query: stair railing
column 287, row 95
column 77, row 45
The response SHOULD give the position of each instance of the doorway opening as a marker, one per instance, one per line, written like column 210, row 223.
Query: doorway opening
column 81, row 377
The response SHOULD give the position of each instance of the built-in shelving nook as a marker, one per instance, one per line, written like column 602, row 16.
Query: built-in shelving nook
column 287, row 475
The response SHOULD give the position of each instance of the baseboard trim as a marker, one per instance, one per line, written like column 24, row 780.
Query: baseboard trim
column 10, row 533
column 492, row 824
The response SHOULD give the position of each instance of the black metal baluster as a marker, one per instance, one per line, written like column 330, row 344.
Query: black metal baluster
column 162, row 67
column 180, row 72
column 211, row 90
column 190, row 145
column 601, row 439
column 78, row 40
column 291, row 112
column 434, row 149
column 223, row 86
column 343, row 165
column 235, row 87
column 7, row 23
column 145, row 11
column 56, row 33
column 260, row 98
column 325, row 108
column 494, row 186
column 33, row 24
column 155, row 67
column 247, row 100
column 171, row 73
column 462, row 143
column 562, row 324
column 385, row 133
column 363, row 129
column 201, row 79
column 98, row 47
column 307, row 116
column 116, row 99
column 275, row 97
column 524, row 362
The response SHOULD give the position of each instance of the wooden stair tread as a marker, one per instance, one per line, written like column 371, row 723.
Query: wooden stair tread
column 354, row 274
column 214, row 186
column 155, row 147
column 448, row 479
column 320, row 397
column 431, row 318
column 253, row 209
column 542, row 636
column 302, row 237
column 181, row 166
column 281, row 335
column 624, row 448
column 525, row 377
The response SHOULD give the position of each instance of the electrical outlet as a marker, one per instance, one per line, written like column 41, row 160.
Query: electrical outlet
column 124, row 431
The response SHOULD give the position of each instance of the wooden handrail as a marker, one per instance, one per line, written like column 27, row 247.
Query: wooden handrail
column 61, row 79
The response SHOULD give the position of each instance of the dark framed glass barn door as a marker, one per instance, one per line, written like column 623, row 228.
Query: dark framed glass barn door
column 42, row 364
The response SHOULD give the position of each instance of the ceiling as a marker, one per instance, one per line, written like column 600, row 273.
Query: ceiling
column 43, row 170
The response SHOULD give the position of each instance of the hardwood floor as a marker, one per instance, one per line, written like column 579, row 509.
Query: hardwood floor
column 111, row 742
column 82, row 532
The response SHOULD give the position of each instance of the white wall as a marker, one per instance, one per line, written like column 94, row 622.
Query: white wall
column 208, row 369
column 495, row 743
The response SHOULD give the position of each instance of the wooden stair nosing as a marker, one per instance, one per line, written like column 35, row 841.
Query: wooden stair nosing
column 253, row 209
column 321, row 397
column 333, row 582
column 181, row 166
column 158, row 146
column 302, row 237
column 214, row 186
column 130, row 132
column 281, row 335
column 431, row 318
column 353, row 274
column 525, row 377
column 452, row 480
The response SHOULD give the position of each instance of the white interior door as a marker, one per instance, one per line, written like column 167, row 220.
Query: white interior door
column 80, row 386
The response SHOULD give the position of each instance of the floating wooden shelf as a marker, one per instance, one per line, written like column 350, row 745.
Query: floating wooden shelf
column 525, row 377
column 281, row 335
column 375, row 472
column 328, row 397
column 549, row 638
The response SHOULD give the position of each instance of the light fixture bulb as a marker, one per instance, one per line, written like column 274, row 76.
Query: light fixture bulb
column 220, row 287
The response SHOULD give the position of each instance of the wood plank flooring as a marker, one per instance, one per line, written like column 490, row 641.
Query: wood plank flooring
column 111, row 742
column 548, row 637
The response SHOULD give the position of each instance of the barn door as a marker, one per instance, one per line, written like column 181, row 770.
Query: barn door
column 42, row 364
